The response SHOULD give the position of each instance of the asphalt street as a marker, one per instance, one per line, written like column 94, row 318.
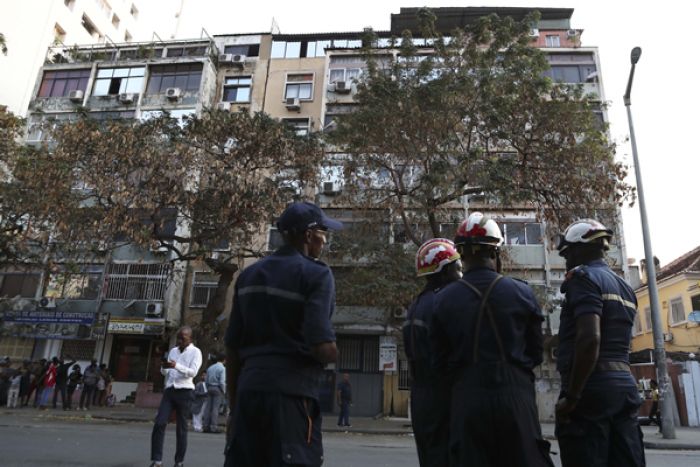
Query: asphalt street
column 36, row 442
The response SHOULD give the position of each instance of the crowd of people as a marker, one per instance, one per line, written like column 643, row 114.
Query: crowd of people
column 53, row 383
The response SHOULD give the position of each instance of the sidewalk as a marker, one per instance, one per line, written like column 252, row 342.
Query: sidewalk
column 686, row 438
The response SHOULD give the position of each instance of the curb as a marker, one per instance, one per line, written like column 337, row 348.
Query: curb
column 671, row 447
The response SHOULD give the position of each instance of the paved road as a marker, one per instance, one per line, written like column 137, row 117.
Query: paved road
column 36, row 442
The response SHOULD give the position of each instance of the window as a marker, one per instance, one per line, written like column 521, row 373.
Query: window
column 695, row 303
column 184, row 76
column 198, row 51
column 637, row 325
column 61, row 83
column 343, row 74
column 249, row 50
column 237, row 89
column 59, row 34
column 299, row 125
column 82, row 283
column 17, row 348
column 358, row 353
column 112, row 81
column 203, row 287
column 552, row 41
column 647, row 318
column 307, row 49
column 404, row 375
column 299, row 85
column 19, row 285
column 90, row 27
column 115, row 21
column 572, row 73
column 274, row 240
column 522, row 233
column 676, row 311
column 137, row 281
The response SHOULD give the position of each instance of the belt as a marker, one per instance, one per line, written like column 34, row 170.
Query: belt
column 612, row 366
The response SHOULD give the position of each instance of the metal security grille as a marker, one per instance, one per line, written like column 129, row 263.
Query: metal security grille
column 404, row 378
column 78, row 349
column 137, row 281
column 203, row 288
column 358, row 353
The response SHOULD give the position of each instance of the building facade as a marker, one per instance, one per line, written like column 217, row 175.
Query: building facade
column 127, row 305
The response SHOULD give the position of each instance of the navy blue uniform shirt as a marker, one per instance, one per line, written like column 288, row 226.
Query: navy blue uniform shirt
column 345, row 392
column 516, row 312
column 282, row 306
column 416, row 338
column 595, row 288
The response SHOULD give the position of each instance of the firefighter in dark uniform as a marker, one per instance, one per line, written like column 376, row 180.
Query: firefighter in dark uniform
column 279, row 337
column 438, row 261
column 596, row 416
column 487, row 334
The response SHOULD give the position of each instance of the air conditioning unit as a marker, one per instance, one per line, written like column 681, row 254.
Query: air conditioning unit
column 292, row 103
column 154, row 310
column 343, row 87
column 226, row 58
column 668, row 337
column 173, row 93
column 572, row 33
column 47, row 302
column 127, row 97
column 534, row 32
column 331, row 188
column 239, row 60
column 76, row 95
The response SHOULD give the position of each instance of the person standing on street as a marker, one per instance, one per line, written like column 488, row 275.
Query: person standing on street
column 486, row 336
column 216, row 388
column 279, row 337
column 437, row 260
column 49, row 383
column 596, row 416
column 344, row 398
column 74, row 379
column 199, row 403
column 90, row 378
column 179, row 368
column 62, row 382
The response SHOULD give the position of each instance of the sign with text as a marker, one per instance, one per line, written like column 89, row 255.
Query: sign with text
column 387, row 353
column 136, row 326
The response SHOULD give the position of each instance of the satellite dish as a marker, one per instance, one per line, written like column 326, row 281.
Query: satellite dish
column 694, row 316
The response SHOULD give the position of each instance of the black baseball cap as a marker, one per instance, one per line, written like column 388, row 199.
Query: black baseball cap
column 301, row 216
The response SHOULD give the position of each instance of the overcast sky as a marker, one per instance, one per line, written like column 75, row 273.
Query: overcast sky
column 665, row 97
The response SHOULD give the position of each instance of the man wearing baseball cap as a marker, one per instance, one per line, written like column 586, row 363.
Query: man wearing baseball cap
column 279, row 338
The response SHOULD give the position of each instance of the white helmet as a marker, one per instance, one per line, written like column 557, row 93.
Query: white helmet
column 584, row 231
column 479, row 230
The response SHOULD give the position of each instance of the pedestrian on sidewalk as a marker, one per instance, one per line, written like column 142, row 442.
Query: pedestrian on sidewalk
column 486, row 335
column 279, row 337
column 200, row 402
column 654, row 413
column 62, row 382
column 179, row 368
column 107, row 377
column 216, row 389
column 39, row 371
column 90, row 378
column 13, row 392
column 101, row 388
column 438, row 261
column 596, row 416
column 25, row 383
column 74, row 379
column 344, row 398
column 49, row 383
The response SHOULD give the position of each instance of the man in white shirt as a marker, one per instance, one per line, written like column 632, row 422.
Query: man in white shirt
column 181, row 367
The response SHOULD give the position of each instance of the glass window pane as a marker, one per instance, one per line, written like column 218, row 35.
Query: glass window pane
column 352, row 74
column 301, row 77
column 293, row 50
column 154, row 84
column 243, row 95
column 181, row 81
column 101, row 87
column 515, row 233
column 193, row 81
column 311, row 49
column 321, row 47
column 136, row 71
column 229, row 95
column 105, row 73
column 46, row 86
column 340, row 43
column 121, row 72
column 337, row 75
column 355, row 44
column 305, row 91
column 236, row 49
column 168, row 82
column 292, row 91
column 278, row 48
column 133, row 85
column 566, row 74
column 533, row 234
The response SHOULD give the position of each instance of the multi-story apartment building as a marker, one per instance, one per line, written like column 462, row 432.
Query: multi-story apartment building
column 30, row 26
column 305, row 80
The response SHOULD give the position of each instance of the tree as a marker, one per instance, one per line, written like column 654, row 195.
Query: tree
column 476, row 115
column 186, row 188
column 3, row 44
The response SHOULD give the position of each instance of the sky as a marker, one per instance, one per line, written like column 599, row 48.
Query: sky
column 665, row 95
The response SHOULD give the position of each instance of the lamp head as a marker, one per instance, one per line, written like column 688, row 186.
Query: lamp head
column 636, row 53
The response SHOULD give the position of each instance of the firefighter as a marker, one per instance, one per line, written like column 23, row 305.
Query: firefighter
column 279, row 337
column 596, row 416
column 438, row 261
column 487, row 334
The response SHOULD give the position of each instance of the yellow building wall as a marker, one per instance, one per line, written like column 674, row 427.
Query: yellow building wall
column 686, row 335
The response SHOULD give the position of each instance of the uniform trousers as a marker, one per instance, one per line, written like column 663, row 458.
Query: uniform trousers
column 430, row 414
column 271, row 429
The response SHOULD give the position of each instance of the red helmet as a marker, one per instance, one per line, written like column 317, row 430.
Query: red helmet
column 479, row 230
column 435, row 254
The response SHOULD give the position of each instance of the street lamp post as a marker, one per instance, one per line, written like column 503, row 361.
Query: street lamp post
column 665, row 395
